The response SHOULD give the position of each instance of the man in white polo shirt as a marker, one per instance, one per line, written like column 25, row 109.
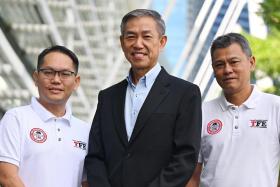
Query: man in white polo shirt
column 43, row 144
column 241, row 128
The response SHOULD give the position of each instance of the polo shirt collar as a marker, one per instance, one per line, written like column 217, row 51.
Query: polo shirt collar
column 148, row 79
column 253, row 99
column 46, row 115
column 251, row 102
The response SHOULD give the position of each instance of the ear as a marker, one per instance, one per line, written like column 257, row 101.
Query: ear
column 35, row 77
column 252, row 63
column 77, row 82
column 163, row 41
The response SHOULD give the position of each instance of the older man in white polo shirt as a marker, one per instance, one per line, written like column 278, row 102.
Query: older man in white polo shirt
column 241, row 129
column 43, row 144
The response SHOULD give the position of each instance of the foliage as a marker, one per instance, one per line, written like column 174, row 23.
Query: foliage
column 267, row 51
column 271, row 13
column 268, row 56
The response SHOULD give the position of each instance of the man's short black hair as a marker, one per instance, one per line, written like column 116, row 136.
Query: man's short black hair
column 226, row 40
column 61, row 49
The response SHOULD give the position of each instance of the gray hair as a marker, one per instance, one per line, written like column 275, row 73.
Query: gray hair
column 142, row 13
column 226, row 40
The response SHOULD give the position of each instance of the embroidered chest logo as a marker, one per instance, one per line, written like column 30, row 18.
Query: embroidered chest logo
column 80, row 144
column 258, row 123
column 38, row 135
column 214, row 126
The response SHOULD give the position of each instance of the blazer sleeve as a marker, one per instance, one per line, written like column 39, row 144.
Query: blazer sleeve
column 187, row 137
column 94, row 161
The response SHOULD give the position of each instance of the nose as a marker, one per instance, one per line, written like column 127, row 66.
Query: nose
column 138, row 43
column 56, row 77
column 228, row 68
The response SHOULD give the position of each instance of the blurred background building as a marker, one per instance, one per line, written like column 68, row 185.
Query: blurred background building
column 91, row 29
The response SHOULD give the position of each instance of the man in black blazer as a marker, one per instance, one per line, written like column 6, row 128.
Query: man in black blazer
column 146, row 130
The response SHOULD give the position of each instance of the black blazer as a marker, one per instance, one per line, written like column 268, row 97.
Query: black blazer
column 164, row 145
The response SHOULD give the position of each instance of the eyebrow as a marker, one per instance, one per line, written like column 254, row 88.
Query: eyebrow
column 135, row 32
column 217, row 61
column 63, row 69
column 128, row 32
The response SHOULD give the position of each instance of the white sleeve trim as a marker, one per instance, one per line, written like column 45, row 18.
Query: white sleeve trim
column 9, row 160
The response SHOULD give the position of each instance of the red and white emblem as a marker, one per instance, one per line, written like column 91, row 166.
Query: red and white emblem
column 214, row 126
column 38, row 135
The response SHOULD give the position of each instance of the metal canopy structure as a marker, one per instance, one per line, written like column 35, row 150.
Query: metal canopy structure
column 88, row 27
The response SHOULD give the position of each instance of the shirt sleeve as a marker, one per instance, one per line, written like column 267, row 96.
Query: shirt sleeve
column 10, row 139
column 200, row 160
column 200, row 155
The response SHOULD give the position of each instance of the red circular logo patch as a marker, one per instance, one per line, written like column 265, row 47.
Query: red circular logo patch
column 38, row 135
column 214, row 126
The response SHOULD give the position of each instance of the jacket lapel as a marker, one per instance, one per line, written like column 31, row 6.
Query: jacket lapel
column 118, row 111
column 158, row 92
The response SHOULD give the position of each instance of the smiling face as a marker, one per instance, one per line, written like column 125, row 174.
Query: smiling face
column 55, row 91
column 232, row 69
column 141, row 43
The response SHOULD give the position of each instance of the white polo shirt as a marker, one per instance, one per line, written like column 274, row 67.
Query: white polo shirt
column 240, row 145
column 48, row 150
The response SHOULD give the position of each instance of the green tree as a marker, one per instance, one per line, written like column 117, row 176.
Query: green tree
column 268, row 57
column 267, row 52
column 271, row 13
